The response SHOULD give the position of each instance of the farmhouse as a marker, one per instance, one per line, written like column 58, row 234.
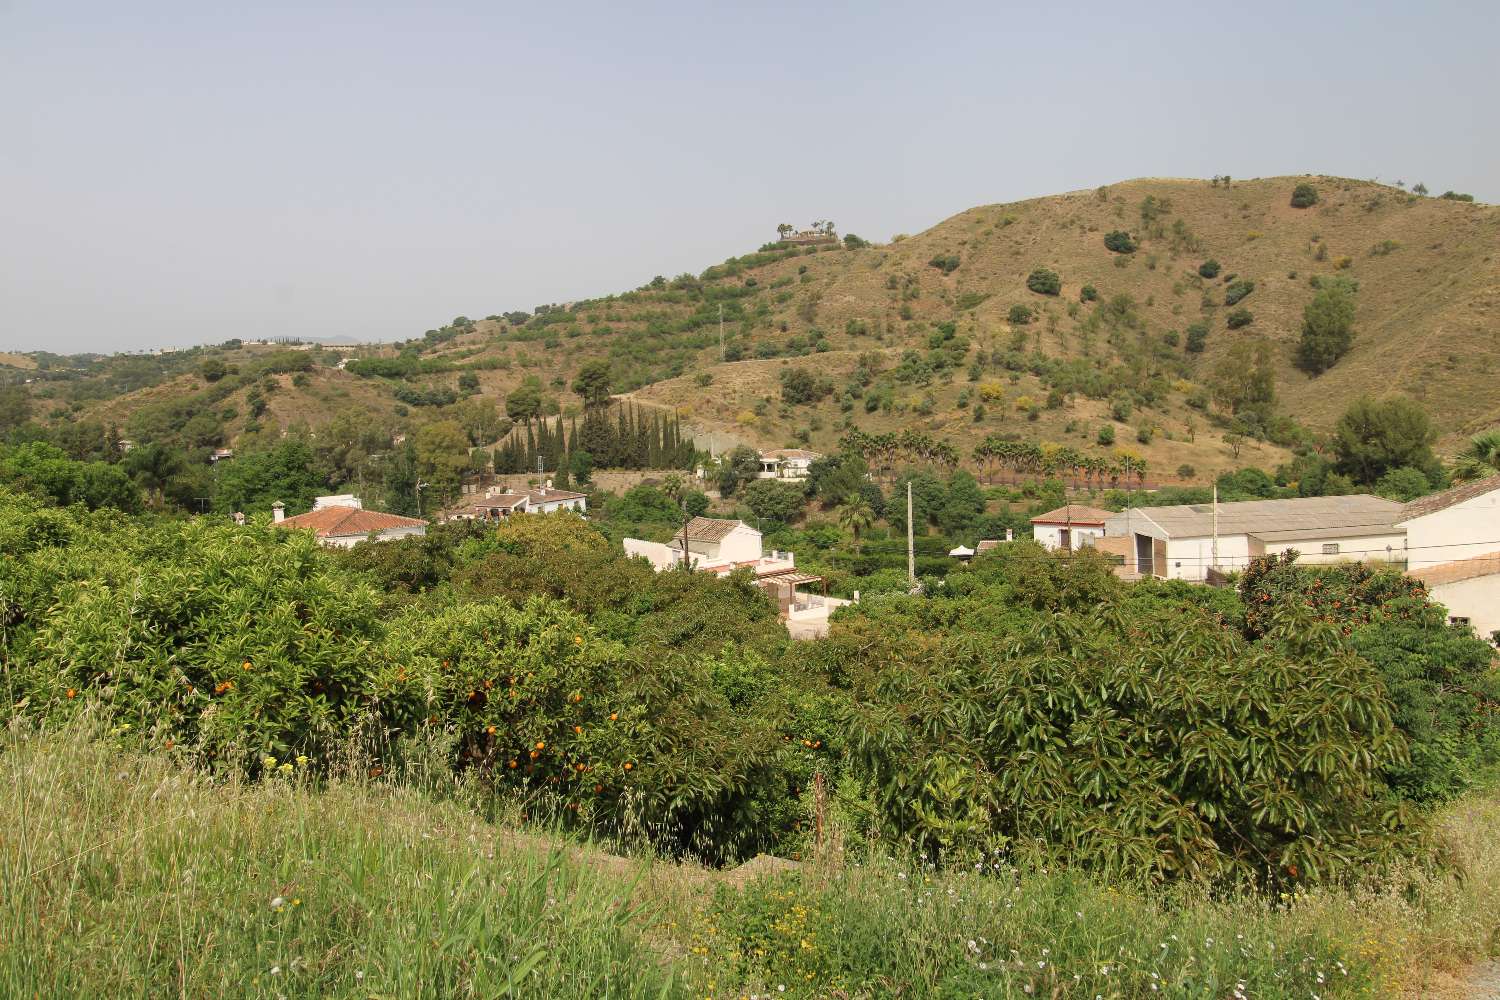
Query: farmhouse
column 786, row 463
column 498, row 503
column 1070, row 527
column 342, row 522
column 1193, row 541
column 721, row 546
column 1453, row 546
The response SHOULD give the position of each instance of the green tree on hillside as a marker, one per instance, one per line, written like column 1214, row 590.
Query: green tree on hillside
column 253, row 481
column 593, row 383
column 524, row 403
column 855, row 515
column 1327, row 328
column 1304, row 196
column 774, row 500
column 1375, row 436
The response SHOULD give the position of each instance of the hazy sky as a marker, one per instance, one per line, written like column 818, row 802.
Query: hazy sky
column 182, row 173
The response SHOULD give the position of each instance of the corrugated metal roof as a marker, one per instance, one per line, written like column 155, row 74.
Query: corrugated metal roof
column 1370, row 514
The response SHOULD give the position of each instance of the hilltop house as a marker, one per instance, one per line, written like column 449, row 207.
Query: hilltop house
column 498, row 503
column 1070, row 527
column 342, row 522
column 786, row 463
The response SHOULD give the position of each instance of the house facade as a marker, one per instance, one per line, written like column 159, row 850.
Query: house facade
column 1189, row 541
column 1070, row 527
column 787, row 463
column 498, row 503
column 342, row 522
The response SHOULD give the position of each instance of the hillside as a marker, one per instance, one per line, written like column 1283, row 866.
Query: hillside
column 1427, row 323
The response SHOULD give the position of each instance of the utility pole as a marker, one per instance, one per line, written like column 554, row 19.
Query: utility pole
column 1214, row 552
column 419, row 488
column 911, row 552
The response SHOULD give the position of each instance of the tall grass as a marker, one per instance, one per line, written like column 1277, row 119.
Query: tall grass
column 128, row 875
column 138, row 875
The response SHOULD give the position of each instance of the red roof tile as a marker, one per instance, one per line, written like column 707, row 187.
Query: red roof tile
column 339, row 521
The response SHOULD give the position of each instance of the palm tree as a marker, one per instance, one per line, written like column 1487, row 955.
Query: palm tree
column 1480, row 458
column 856, row 515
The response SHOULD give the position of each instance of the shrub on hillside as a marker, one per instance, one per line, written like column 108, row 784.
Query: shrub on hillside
column 1197, row 337
column 1237, row 290
column 1241, row 317
column 947, row 263
column 1044, row 281
column 1019, row 315
column 1304, row 196
column 1327, row 328
column 1209, row 268
column 1088, row 293
column 1119, row 241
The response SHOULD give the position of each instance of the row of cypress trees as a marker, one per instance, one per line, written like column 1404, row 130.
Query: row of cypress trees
column 628, row 439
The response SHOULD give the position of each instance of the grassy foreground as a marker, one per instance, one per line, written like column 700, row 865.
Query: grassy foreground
column 129, row 875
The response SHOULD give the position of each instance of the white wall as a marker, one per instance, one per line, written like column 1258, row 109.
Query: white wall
column 1050, row 535
column 741, row 544
column 1190, row 558
column 658, row 555
column 390, row 534
column 1466, row 529
column 1477, row 599
column 1369, row 548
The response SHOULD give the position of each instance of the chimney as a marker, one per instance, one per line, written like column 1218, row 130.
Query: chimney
column 278, row 512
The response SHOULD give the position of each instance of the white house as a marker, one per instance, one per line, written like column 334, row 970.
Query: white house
column 1070, row 527
column 1185, row 541
column 1453, row 546
column 342, row 522
column 1458, row 523
column 498, row 503
column 721, row 546
column 786, row 463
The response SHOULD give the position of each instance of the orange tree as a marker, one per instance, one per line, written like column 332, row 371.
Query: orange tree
column 1131, row 732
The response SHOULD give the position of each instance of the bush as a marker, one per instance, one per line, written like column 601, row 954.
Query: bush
column 774, row 500
column 1119, row 241
column 1237, row 290
column 1106, row 436
column 1088, row 293
column 1197, row 337
column 947, row 263
column 1327, row 328
column 1044, row 281
column 1186, row 471
column 1019, row 315
column 1304, row 196
column 1209, row 268
column 800, row 387
column 1239, row 318
column 1182, row 796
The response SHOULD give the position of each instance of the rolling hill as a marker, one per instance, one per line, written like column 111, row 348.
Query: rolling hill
column 922, row 331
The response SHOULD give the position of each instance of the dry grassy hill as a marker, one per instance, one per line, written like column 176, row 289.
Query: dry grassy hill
column 1428, row 322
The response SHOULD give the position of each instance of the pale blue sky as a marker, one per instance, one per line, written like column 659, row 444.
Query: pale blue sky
column 180, row 173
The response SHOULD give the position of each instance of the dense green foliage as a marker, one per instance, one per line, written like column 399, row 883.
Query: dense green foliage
column 1375, row 437
column 1044, row 281
column 1237, row 290
column 1304, row 196
column 1026, row 704
column 1209, row 269
column 1119, row 241
column 1327, row 328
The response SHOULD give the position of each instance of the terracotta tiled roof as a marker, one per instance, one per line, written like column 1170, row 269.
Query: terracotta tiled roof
column 340, row 521
column 1422, row 506
column 1461, row 569
column 709, row 529
column 1074, row 513
column 986, row 545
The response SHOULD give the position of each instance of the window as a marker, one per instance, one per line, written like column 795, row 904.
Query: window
column 1459, row 620
column 1330, row 548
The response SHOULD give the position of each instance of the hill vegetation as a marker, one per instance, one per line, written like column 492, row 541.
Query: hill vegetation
column 1121, row 312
